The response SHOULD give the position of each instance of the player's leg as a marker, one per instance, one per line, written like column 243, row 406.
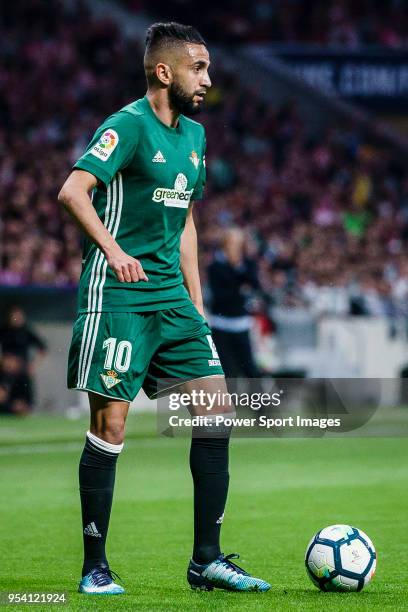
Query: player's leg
column 191, row 362
column 109, row 355
column 209, row 568
column 97, row 468
column 209, row 468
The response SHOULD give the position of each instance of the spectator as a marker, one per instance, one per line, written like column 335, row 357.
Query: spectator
column 21, row 348
column 15, row 386
column 231, row 277
column 17, row 338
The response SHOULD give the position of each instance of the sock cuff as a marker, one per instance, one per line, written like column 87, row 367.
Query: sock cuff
column 104, row 446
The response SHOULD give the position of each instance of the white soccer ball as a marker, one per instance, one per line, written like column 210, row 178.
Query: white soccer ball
column 340, row 558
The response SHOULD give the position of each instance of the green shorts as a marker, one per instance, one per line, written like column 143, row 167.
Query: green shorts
column 116, row 353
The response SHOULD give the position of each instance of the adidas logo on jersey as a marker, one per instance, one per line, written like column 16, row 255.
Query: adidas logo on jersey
column 159, row 158
column 91, row 530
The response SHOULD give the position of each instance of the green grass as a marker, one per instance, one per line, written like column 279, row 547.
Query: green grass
column 281, row 492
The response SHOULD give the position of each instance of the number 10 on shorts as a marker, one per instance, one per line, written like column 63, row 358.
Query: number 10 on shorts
column 118, row 354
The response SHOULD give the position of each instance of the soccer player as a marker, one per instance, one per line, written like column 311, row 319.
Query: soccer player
column 141, row 316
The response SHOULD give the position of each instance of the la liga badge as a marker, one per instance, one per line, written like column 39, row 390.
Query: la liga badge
column 106, row 144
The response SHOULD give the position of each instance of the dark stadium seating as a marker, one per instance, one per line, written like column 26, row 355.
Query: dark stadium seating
column 327, row 215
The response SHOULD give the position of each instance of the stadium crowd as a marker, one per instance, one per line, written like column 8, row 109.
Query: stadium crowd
column 348, row 23
column 326, row 216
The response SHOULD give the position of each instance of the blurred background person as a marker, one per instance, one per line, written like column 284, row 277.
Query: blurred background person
column 15, row 386
column 21, row 350
column 232, row 280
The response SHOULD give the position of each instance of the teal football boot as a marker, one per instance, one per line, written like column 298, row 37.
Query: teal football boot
column 223, row 574
column 100, row 581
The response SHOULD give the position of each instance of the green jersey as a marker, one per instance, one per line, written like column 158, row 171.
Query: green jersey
column 148, row 173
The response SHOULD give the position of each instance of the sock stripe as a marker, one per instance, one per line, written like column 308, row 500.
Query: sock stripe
column 98, row 451
column 103, row 446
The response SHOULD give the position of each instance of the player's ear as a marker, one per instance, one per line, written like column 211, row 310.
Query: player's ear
column 164, row 73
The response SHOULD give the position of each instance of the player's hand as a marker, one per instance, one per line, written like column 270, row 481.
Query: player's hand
column 126, row 268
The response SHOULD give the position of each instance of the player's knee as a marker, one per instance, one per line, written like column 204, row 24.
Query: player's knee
column 112, row 431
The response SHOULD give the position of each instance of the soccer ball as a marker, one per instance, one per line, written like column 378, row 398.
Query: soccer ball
column 340, row 558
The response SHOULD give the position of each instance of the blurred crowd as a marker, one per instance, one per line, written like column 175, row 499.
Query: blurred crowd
column 345, row 23
column 61, row 74
column 325, row 216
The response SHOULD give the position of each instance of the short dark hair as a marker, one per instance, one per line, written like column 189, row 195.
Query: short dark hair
column 171, row 33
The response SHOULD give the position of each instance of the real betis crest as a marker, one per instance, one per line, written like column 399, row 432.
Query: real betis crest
column 195, row 160
column 110, row 379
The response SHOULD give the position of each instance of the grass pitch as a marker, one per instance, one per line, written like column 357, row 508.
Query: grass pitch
column 281, row 493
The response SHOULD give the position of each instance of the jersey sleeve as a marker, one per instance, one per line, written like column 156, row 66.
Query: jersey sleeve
column 202, row 176
column 112, row 147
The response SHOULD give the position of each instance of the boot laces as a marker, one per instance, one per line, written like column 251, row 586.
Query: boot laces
column 226, row 559
column 103, row 576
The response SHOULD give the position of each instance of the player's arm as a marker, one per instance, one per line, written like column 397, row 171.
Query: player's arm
column 188, row 244
column 189, row 261
column 74, row 196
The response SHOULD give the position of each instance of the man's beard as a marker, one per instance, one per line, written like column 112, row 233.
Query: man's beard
column 181, row 101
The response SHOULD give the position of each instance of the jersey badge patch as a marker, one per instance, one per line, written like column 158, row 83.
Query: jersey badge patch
column 110, row 379
column 106, row 145
column 195, row 160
